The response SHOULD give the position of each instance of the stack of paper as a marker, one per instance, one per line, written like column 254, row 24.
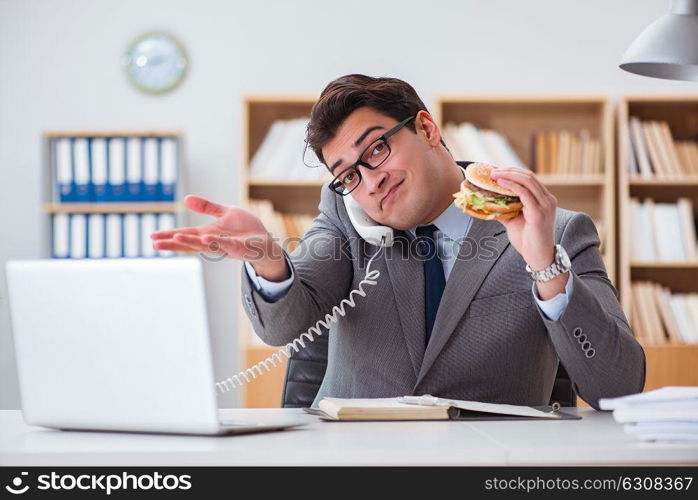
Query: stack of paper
column 666, row 414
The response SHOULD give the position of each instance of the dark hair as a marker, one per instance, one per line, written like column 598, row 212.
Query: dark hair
column 389, row 96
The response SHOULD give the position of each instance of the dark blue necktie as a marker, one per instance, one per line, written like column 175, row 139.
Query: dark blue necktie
column 434, row 280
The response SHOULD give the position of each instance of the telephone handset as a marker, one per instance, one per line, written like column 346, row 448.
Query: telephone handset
column 367, row 228
column 373, row 233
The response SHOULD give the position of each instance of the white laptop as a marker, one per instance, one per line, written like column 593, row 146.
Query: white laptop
column 117, row 345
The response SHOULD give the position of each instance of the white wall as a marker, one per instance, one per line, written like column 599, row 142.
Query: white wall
column 59, row 69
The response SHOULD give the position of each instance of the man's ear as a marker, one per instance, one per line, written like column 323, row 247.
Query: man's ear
column 427, row 127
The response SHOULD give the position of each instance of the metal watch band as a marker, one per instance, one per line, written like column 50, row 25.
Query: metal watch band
column 550, row 272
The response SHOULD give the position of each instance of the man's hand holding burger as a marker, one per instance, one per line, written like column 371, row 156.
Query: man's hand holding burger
column 235, row 233
column 530, row 223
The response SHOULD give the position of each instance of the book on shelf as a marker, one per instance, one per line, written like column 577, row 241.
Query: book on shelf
column 280, row 154
column 662, row 232
column 112, row 235
column 287, row 228
column 465, row 140
column 654, row 153
column 659, row 316
column 114, row 169
column 565, row 152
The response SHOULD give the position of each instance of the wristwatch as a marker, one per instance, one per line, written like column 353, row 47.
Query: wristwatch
column 561, row 265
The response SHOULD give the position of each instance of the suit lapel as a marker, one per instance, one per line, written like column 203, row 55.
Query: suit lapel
column 407, row 278
column 486, row 240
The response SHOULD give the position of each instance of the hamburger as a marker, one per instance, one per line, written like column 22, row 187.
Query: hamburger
column 483, row 198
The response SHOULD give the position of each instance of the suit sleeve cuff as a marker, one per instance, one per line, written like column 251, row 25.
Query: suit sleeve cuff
column 270, row 290
column 554, row 308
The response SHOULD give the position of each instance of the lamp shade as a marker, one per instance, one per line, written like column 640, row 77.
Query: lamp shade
column 667, row 48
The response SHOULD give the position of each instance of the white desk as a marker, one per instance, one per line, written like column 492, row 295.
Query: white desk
column 595, row 440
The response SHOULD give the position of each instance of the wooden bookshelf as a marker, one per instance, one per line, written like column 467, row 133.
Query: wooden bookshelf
column 107, row 208
column 52, row 134
column 287, row 196
column 518, row 117
column 265, row 391
column 671, row 365
column 681, row 112
column 667, row 364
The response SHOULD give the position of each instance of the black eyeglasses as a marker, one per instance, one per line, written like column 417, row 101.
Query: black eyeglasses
column 372, row 157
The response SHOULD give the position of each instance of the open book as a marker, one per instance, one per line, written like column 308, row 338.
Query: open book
column 431, row 408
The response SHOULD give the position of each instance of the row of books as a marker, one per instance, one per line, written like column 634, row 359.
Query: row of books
column 661, row 317
column 113, row 235
column 565, row 152
column 653, row 152
column 287, row 228
column 281, row 154
column 663, row 232
column 114, row 169
column 468, row 142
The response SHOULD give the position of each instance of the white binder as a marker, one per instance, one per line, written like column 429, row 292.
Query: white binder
column 114, row 236
column 61, row 236
column 150, row 168
column 95, row 232
column 134, row 173
column 64, row 170
column 78, row 236
column 81, row 160
column 117, row 170
column 149, row 225
column 168, row 169
column 132, row 244
column 98, row 152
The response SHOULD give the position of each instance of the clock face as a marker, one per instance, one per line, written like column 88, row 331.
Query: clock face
column 155, row 63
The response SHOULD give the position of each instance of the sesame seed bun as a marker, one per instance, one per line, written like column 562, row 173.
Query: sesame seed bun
column 478, row 174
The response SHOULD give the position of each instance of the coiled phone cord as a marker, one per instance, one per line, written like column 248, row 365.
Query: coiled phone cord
column 297, row 344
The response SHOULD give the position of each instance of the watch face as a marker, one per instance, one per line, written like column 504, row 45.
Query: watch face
column 563, row 258
column 155, row 63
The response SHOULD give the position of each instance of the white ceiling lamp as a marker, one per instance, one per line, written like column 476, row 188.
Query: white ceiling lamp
column 667, row 48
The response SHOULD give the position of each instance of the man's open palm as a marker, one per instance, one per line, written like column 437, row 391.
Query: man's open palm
column 236, row 232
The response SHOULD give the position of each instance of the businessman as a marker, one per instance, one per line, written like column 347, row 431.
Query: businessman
column 486, row 313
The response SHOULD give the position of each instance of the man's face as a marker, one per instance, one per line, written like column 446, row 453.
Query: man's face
column 398, row 193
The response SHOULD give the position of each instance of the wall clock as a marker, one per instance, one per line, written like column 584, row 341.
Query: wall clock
column 155, row 63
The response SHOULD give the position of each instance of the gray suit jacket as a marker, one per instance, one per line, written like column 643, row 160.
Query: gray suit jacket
column 490, row 341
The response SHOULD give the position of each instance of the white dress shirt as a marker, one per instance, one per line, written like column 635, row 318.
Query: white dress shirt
column 453, row 225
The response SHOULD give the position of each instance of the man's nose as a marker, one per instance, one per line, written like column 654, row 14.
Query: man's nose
column 375, row 179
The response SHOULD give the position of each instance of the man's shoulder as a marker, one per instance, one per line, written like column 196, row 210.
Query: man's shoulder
column 563, row 217
column 331, row 204
column 332, row 209
column 579, row 221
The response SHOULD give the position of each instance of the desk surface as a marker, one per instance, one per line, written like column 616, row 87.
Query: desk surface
column 595, row 440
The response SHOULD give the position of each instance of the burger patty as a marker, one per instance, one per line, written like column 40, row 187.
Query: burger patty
column 484, row 193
